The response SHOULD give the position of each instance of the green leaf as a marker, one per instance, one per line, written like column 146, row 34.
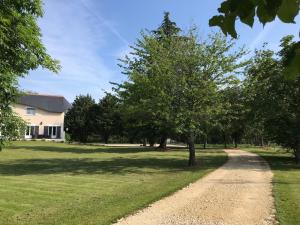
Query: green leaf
column 216, row 21
column 264, row 14
column 249, row 20
column 247, row 13
column 288, row 11
column 225, row 7
column 229, row 25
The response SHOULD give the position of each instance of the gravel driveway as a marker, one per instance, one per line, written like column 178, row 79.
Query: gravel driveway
column 238, row 193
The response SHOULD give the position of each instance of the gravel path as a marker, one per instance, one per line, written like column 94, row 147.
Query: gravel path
column 238, row 193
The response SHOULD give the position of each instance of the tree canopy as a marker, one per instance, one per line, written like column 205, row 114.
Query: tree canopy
column 77, row 118
column 173, row 81
column 106, row 117
column 21, row 50
column 274, row 99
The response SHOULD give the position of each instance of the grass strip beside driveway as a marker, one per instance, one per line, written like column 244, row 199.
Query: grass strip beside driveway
column 286, row 183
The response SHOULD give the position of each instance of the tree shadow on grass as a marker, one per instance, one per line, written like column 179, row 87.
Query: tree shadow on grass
column 282, row 163
column 83, row 150
column 119, row 150
column 118, row 165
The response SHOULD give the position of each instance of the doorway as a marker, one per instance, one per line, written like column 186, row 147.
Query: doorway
column 52, row 131
column 29, row 132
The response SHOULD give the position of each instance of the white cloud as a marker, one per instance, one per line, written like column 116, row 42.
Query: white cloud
column 106, row 23
column 261, row 37
column 75, row 35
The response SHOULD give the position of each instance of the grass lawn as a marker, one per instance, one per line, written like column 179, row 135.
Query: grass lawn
column 55, row 183
column 286, row 183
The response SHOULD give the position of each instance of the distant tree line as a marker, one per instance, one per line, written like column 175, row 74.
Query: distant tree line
column 188, row 89
column 91, row 121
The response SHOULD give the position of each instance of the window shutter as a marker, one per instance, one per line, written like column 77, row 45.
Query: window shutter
column 58, row 133
column 46, row 131
column 32, row 131
column 36, row 131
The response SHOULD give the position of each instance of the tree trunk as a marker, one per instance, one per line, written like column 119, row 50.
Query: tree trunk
column 204, row 142
column 106, row 138
column 262, row 141
column 151, row 142
column 192, row 153
column 163, row 142
column 144, row 142
column 225, row 140
column 83, row 138
column 235, row 142
column 297, row 154
column 131, row 140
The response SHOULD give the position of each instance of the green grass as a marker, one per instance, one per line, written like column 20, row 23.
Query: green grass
column 286, row 184
column 55, row 183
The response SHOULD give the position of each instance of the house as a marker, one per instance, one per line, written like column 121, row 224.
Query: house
column 44, row 115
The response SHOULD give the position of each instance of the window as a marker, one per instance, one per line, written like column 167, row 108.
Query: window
column 30, row 111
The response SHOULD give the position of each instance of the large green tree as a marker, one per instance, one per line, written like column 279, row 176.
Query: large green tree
column 21, row 50
column 166, row 31
column 175, row 82
column 201, row 69
column 276, row 99
column 147, row 68
column 78, row 120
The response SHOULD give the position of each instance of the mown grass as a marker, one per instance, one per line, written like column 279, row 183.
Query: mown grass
column 286, row 184
column 55, row 183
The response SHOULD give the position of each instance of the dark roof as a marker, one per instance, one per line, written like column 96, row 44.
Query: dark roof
column 49, row 103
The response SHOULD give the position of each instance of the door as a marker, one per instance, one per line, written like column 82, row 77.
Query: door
column 29, row 132
column 52, row 132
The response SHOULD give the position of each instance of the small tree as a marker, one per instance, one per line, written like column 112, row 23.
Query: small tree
column 77, row 120
column 13, row 128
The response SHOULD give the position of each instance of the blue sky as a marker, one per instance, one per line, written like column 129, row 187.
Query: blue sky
column 88, row 36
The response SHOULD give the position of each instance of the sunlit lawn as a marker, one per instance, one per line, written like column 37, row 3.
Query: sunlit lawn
column 55, row 183
column 286, row 183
